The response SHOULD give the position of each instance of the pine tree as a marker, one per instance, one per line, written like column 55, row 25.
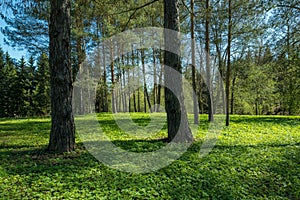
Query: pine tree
column 42, row 94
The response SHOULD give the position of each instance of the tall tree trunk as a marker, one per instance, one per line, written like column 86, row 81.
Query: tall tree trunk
column 160, row 79
column 128, row 83
column 207, row 61
column 154, row 81
column 124, row 95
column 62, row 136
column 112, row 71
column 146, row 95
column 105, row 99
column 232, row 95
column 178, row 127
column 138, row 90
column 133, row 67
column 228, row 63
column 195, row 103
column 80, row 50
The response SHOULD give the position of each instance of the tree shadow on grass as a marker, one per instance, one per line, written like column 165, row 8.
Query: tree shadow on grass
column 282, row 120
column 228, row 172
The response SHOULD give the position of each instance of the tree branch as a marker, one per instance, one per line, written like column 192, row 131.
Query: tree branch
column 134, row 11
column 288, row 6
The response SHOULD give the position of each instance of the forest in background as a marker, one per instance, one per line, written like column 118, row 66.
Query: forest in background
column 264, row 59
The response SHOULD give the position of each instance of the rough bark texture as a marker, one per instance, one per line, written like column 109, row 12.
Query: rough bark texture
column 62, row 136
column 178, row 128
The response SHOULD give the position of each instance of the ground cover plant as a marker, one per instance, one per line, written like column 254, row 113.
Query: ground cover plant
column 257, row 157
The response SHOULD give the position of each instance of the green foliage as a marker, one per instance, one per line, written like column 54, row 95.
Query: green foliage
column 255, row 158
column 24, row 87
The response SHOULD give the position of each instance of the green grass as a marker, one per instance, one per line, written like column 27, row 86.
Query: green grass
column 255, row 158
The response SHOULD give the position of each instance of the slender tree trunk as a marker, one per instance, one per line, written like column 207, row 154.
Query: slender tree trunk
column 196, row 112
column 207, row 61
column 128, row 85
column 160, row 79
column 80, row 55
column 112, row 71
column 232, row 96
column 139, row 93
column 105, row 92
column 228, row 64
column 62, row 136
column 154, row 81
column 132, row 63
column 123, row 84
column 146, row 95
column 124, row 95
column 178, row 127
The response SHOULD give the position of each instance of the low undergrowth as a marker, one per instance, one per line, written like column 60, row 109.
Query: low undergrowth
column 257, row 157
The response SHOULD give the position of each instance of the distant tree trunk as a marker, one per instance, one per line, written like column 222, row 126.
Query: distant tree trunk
column 62, row 136
column 220, row 63
column 196, row 112
column 128, row 83
column 232, row 96
column 80, row 50
column 146, row 95
column 207, row 61
column 132, row 63
column 178, row 128
column 154, row 81
column 160, row 79
column 228, row 64
column 124, row 95
column 138, row 90
column 112, row 71
column 105, row 99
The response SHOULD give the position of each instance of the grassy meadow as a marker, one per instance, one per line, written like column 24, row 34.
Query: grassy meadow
column 257, row 157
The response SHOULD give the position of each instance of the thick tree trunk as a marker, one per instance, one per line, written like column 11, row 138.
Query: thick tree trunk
column 62, row 136
column 178, row 127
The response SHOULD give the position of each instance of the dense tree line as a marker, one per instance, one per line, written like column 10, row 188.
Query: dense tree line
column 264, row 59
column 263, row 77
column 24, row 86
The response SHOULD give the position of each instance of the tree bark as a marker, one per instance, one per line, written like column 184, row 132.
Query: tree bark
column 62, row 136
column 154, row 80
column 133, row 76
column 207, row 61
column 228, row 64
column 195, row 103
column 178, row 127
column 146, row 95
column 232, row 95
column 112, row 71
column 160, row 79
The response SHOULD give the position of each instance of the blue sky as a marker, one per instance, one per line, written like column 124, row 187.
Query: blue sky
column 13, row 52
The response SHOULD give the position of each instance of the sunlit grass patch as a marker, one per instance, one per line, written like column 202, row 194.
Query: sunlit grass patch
column 257, row 157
